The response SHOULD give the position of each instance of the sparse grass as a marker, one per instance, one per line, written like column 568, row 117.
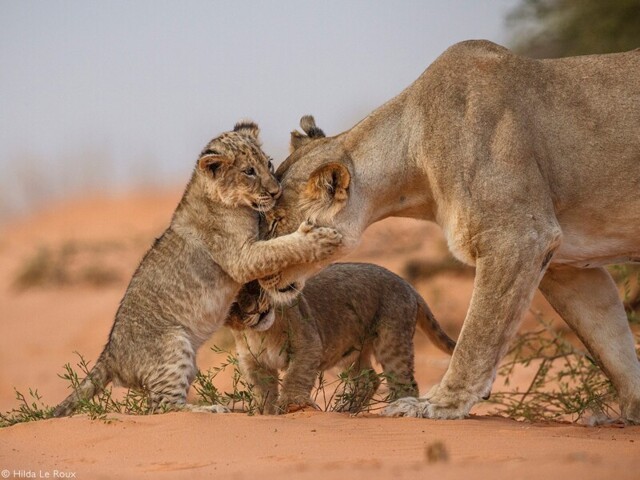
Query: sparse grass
column 241, row 395
column 346, row 391
column 98, row 407
column 28, row 410
column 567, row 384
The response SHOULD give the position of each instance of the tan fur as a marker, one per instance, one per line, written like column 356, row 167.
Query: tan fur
column 346, row 314
column 531, row 168
column 185, row 284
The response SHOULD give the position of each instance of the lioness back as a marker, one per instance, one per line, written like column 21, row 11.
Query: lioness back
column 346, row 314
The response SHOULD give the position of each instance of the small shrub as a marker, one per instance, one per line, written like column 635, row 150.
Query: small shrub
column 567, row 384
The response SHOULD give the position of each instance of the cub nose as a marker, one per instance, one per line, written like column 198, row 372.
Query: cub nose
column 275, row 190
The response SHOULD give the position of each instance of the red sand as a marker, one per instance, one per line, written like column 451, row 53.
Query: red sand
column 42, row 327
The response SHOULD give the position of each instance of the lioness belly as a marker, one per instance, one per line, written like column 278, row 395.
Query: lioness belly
column 592, row 250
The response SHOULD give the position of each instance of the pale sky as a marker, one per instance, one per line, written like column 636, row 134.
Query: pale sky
column 112, row 94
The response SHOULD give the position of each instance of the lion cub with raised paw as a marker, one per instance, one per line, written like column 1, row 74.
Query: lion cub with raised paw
column 185, row 284
column 345, row 314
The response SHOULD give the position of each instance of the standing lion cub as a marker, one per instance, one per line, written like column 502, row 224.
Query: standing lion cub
column 345, row 314
column 185, row 284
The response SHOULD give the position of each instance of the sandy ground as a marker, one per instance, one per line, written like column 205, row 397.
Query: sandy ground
column 104, row 238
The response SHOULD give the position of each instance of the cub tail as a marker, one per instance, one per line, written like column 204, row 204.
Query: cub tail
column 95, row 381
column 429, row 325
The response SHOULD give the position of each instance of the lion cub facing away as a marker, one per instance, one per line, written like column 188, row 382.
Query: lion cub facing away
column 346, row 313
column 185, row 284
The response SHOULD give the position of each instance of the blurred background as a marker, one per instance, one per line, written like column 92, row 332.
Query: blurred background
column 117, row 95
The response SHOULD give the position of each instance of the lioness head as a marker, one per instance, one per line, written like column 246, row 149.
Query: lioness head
column 316, row 189
column 236, row 170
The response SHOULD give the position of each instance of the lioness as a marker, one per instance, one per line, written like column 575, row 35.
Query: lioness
column 346, row 314
column 183, row 288
column 531, row 168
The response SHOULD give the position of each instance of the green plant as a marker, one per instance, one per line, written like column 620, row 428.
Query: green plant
column 627, row 277
column 241, row 395
column 567, row 384
column 27, row 410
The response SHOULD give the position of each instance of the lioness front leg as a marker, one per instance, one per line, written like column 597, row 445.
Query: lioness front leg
column 260, row 259
column 587, row 299
column 504, row 285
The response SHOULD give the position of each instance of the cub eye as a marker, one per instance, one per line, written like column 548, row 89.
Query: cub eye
column 249, row 172
column 271, row 169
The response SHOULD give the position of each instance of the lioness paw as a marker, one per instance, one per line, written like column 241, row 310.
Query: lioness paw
column 423, row 408
column 405, row 407
column 209, row 409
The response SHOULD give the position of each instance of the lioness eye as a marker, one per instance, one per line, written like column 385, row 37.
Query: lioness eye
column 250, row 172
column 271, row 169
column 274, row 224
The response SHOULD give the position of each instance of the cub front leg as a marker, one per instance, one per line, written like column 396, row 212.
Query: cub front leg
column 302, row 371
column 260, row 259
column 263, row 378
column 504, row 285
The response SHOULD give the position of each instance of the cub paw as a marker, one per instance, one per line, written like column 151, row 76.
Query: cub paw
column 324, row 240
column 290, row 405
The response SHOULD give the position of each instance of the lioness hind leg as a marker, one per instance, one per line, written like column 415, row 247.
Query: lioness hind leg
column 587, row 299
column 507, row 273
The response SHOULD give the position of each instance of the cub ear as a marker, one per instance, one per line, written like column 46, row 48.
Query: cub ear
column 248, row 128
column 329, row 182
column 308, row 125
column 212, row 162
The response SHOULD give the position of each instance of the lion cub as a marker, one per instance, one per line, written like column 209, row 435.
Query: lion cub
column 346, row 313
column 185, row 284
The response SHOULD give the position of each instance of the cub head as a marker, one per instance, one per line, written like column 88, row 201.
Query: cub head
column 236, row 171
column 316, row 182
column 251, row 309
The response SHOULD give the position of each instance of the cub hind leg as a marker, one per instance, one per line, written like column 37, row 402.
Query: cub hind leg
column 393, row 348
column 362, row 382
column 167, row 385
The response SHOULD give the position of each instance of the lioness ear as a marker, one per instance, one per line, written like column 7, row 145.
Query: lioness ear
column 247, row 127
column 298, row 140
column 329, row 182
column 212, row 162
